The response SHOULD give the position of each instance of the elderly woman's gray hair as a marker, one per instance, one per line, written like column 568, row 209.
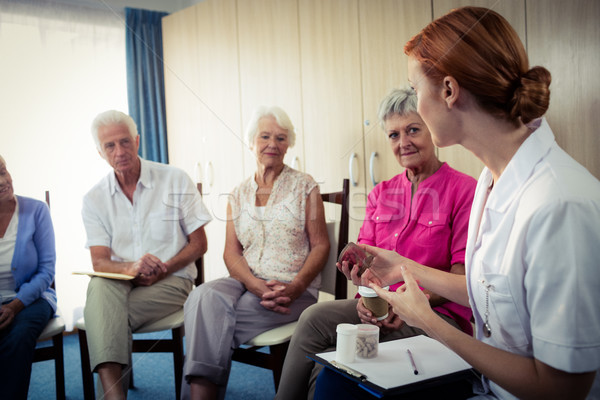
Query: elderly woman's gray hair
column 112, row 117
column 280, row 116
column 2, row 160
column 399, row 101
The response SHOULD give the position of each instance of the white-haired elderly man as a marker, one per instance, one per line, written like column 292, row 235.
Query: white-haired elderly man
column 146, row 220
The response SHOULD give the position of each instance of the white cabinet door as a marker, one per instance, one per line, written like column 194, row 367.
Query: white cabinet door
column 564, row 37
column 332, row 99
column 205, row 134
column 270, row 67
column 385, row 26
column 181, row 85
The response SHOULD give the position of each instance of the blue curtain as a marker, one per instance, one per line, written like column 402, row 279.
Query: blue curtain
column 145, row 81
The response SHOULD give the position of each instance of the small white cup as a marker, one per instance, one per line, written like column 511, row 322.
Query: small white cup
column 345, row 349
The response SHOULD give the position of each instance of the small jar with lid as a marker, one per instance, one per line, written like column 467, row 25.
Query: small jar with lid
column 367, row 340
column 346, row 343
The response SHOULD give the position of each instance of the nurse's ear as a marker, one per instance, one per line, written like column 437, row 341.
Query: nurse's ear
column 450, row 91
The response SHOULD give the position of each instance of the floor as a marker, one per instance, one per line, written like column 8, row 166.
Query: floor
column 153, row 378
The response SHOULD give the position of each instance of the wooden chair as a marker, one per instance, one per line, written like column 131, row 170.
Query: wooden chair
column 333, row 282
column 173, row 322
column 53, row 330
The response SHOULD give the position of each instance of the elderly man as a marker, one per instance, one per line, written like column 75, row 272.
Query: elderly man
column 143, row 219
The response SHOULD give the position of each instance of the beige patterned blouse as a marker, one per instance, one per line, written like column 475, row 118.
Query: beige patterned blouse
column 275, row 244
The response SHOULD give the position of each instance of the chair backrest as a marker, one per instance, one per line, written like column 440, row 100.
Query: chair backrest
column 199, row 266
column 332, row 280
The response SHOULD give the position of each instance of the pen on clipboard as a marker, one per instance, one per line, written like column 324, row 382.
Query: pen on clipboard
column 412, row 362
column 348, row 370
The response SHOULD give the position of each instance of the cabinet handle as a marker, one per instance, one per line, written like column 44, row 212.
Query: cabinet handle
column 296, row 163
column 371, row 167
column 209, row 171
column 353, row 180
column 198, row 172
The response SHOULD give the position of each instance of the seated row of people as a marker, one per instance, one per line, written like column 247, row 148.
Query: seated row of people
column 146, row 220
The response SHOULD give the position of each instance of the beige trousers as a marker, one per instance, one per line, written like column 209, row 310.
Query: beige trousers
column 115, row 308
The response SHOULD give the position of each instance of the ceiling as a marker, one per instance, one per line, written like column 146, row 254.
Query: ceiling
column 169, row 6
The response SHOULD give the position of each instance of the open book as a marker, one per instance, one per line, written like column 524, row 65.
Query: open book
column 392, row 371
column 110, row 275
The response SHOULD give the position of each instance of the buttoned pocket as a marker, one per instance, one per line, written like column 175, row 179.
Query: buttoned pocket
column 383, row 232
column 432, row 230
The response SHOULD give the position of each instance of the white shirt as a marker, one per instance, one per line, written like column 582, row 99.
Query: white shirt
column 166, row 209
column 535, row 244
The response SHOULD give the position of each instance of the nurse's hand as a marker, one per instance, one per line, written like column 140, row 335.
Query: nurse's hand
column 408, row 302
column 385, row 267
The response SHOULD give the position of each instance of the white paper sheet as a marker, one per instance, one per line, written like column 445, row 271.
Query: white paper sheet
column 392, row 366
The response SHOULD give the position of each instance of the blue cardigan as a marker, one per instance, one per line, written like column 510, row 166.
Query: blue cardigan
column 35, row 255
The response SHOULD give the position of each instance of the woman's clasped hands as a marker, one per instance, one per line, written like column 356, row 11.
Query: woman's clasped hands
column 278, row 296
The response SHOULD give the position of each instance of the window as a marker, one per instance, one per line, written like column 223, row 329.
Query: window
column 60, row 66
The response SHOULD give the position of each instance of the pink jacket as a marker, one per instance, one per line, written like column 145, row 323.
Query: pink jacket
column 431, row 229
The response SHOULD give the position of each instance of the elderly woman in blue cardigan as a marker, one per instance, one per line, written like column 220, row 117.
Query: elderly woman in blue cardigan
column 27, row 259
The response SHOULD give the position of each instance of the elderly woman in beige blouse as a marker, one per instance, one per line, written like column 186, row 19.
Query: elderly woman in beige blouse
column 276, row 246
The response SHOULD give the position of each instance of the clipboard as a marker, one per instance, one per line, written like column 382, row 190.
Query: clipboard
column 392, row 373
column 109, row 275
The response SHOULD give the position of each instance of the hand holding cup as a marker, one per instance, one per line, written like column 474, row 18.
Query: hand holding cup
column 377, row 305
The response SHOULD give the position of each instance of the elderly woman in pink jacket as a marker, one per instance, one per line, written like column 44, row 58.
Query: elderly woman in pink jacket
column 421, row 213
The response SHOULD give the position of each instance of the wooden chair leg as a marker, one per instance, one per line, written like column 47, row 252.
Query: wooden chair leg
column 59, row 366
column 174, row 345
column 278, row 353
column 131, row 384
column 177, row 335
column 86, row 371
